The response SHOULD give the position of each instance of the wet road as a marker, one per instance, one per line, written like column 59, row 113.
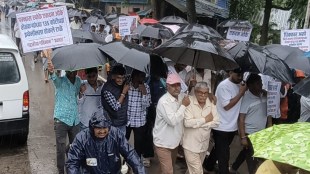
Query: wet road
column 38, row 156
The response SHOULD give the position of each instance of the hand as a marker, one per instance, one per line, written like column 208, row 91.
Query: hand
column 209, row 118
column 142, row 89
column 242, row 89
column 125, row 88
column 50, row 66
column 82, row 88
column 186, row 101
column 244, row 142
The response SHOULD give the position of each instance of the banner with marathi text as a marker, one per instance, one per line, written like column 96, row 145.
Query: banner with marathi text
column 296, row 38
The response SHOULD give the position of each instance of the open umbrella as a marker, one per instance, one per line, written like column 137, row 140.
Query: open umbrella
column 235, row 23
column 172, row 20
column 96, row 20
column 132, row 55
column 257, row 59
column 81, row 34
column 197, row 50
column 78, row 56
column 302, row 88
column 157, row 32
column 293, row 57
column 199, row 28
column 286, row 143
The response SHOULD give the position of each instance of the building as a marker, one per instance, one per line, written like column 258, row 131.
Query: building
column 119, row 6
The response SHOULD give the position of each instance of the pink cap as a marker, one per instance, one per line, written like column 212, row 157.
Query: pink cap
column 173, row 79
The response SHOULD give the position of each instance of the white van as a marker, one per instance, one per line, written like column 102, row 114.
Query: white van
column 14, row 92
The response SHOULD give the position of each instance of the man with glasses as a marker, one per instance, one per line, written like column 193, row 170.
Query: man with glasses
column 200, row 117
column 89, row 96
column 229, row 94
column 114, row 98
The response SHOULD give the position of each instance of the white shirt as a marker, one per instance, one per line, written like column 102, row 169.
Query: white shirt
column 168, row 128
column 75, row 26
column 225, row 91
column 304, row 109
column 16, row 29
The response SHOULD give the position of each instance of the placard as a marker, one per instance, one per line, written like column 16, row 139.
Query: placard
column 43, row 29
column 273, row 98
column 127, row 24
column 239, row 33
column 296, row 38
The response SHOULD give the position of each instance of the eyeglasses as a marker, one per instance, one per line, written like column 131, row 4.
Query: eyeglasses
column 202, row 93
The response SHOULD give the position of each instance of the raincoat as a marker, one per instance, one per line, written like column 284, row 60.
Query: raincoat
column 101, row 156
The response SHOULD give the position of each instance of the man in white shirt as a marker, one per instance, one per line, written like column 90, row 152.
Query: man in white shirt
column 76, row 24
column 200, row 117
column 229, row 94
column 198, row 75
column 168, row 129
column 181, row 71
column 304, row 109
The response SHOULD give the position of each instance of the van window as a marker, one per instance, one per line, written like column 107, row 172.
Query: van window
column 9, row 72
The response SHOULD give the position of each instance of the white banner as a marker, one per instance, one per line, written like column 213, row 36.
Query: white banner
column 239, row 33
column 296, row 38
column 43, row 29
column 127, row 24
column 273, row 98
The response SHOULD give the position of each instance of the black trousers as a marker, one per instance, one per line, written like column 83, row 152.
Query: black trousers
column 220, row 151
column 139, row 133
column 246, row 154
column 148, row 141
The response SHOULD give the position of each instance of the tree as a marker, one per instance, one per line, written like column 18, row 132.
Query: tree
column 191, row 11
column 299, row 8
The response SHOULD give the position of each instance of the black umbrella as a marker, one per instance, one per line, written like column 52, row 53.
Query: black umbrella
column 235, row 23
column 197, row 50
column 200, row 29
column 96, row 19
column 172, row 20
column 153, row 32
column 78, row 56
column 293, row 57
column 97, row 12
column 115, row 21
column 132, row 55
column 257, row 59
column 81, row 34
column 302, row 88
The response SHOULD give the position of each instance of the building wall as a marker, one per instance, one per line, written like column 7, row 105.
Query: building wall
column 125, row 10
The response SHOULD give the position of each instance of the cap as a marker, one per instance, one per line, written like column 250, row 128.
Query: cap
column 173, row 79
column 238, row 70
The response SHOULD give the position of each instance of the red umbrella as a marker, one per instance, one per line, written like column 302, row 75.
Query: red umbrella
column 148, row 21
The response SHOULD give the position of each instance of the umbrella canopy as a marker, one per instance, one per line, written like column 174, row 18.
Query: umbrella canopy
column 173, row 28
column 97, row 12
column 148, row 21
column 78, row 56
column 32, row 4
column 96, row 19
column 172, row 20
column 235, row 23
column 132, row 55
column 293, row 57
column 197, row 50
column 286, row 143
column 78, row 13
column 199, row 28
column 256, row 59
column 81, row 34
column 111, row 16
column 15, row 3
column 302, row 88
column 157, row 31
column 115, row 21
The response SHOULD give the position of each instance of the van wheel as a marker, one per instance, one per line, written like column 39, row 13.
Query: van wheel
column 21, row 139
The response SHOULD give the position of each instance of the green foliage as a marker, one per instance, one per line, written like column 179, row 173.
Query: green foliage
column 244, row 9
column 299, row 9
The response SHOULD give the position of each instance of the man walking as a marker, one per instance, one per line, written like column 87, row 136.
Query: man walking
column 65, row 111
column 168, row 129
column 229, row 94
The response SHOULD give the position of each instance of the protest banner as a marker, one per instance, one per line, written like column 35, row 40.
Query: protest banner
column 296, row 38
column 239, row 33
column 127, row 24
column 273, row 98
column 43, row 29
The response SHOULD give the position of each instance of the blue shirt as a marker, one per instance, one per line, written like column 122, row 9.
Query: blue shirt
column 66, row 96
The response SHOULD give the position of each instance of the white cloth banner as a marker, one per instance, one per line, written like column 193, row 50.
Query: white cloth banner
column 273, row 99
column 127, row 24
column 43, row 29
column 239, row 33
column 296, row 38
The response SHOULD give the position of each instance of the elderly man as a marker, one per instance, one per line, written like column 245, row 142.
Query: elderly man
column 168, row 129
column 97, row 149
column 200, row 117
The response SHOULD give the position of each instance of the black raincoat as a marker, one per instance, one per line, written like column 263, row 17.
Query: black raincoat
column 101, row 156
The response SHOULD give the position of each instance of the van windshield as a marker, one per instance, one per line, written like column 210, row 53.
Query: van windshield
column 9, row 72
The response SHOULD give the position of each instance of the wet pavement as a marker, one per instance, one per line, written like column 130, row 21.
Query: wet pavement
column 39, row 155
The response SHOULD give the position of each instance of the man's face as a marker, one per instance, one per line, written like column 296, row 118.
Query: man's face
column 101, row 132
column 257, row 86
column 93, row 28
column 145, row 42
column 139, row 78
column 119, row 79
column 92, row 78
column 71, row 74
column 174, row 89
column 76, row 19
column 202, row 94
column 236, row 77
column 180, row 67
